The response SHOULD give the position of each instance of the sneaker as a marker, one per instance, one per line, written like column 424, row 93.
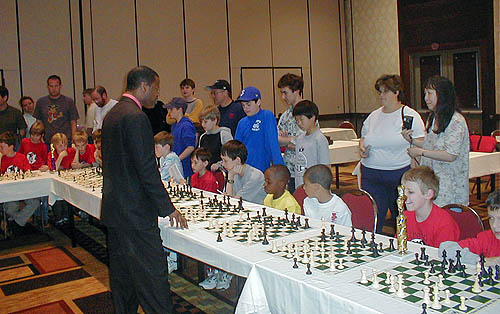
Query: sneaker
column 172, row 265
column 224, row 281
column 210, row 282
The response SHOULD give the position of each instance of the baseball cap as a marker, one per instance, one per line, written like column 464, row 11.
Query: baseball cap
column 249, row 93
column 220, row 84
column 177, row 102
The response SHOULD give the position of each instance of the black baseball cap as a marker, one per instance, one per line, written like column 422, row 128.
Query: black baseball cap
column 220, row 84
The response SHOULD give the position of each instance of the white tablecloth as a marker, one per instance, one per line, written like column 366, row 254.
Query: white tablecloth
column 339, row 133
column 344, row 151
column 37, row 186
column 483, row 164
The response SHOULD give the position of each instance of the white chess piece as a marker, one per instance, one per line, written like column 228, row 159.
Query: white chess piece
column 478, row 268
column 341, row 264
column 440, row 284
column 322, row 259
column 387, row 278
column 250, row 237
column 426, row 278
column 447, row 297
column 274, row 245
column 305, row 258
column 435, row 302
column 427, row 298
column 323, row 225
column 312, row 258
column 475, row 287
column 316, row 245
column 462, row 306
column 400, row 293
column 230, row 233
column 332, row 262
column 363, row 277
column 392, row 288
column 375, row 281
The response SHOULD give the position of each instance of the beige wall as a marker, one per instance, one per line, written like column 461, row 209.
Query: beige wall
column 374, row 48
column 302, row 36
column 496, row 7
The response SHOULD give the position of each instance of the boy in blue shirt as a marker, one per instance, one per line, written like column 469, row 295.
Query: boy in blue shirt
column 184, row 133
column 258, row 131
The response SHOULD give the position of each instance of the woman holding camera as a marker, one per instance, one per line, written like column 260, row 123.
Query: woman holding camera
column 383, row 149
column 446, row 146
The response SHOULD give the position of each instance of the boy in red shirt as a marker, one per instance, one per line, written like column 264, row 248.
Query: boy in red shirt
column 84, row 155
column 486, row 242
column 425, row 220
column 61, row 156
column 11, row 161
column 202, row 178
column 34, row 149
column 96, row 137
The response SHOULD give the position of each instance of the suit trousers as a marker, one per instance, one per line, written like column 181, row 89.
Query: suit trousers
column 138, row 271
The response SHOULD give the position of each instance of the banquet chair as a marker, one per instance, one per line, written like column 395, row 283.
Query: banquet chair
column 346, row 125
column 363, row 209
column 221, row 180
column 300, row 195
column 496, row 134
column 468, row 220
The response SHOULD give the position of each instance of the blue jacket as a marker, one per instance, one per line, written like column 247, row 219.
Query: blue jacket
column 259, row 133
column 184, row 134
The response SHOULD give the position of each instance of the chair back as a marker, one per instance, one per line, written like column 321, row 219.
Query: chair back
column 219, row 177
column 495, row 133
column 347, row 125
column 363, row 209
column 300, row 195
column 468, row 220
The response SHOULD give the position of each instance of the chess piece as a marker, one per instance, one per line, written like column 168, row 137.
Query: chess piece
column 387, row 278
column 353, row 235
column 392, row 289
column 219, row 238
column 427, row 263
column 348, row 248
column 332, row 231
column 380, row 247
column 432, row 270
column 363, row 279
column 475, row 287
column 424, row 308
column 363, row 238
column 426, row 299
column 435, row 302
column 323, row 225
column 306, row 225
column 447, row 297
column 332, row 262
column 295, row 263
column 286, row 215
column 341, row 264
column 308, row 272
column 451, row 268
column 497, row 272
column 422, row 253
column 440, row 283
column 417, row 262
column 400, row 292
column 391, row 245
column 426, row 278
column 274, row 248
column 322, row 259
column 375, row 281
column 491, row 282
column 290, row 250
column 462, row 306
column 265, row 241
column 458, row 258
column 264, row 211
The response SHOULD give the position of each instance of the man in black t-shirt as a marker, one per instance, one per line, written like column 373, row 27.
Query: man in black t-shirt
column 231, row 111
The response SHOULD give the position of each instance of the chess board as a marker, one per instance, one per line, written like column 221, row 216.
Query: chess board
column 458, row 286
column 14, row 176
column 276, row 227
column 359, row 254
column 87, row 177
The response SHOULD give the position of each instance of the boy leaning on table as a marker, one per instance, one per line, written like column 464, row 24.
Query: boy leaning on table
column 486, row 242
column 425, row 220
column 10, row 162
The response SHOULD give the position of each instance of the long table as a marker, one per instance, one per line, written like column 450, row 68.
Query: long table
column 272, row 285
column 339, row 134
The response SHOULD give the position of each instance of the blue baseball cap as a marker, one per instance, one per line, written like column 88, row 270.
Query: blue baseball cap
column 249, row 93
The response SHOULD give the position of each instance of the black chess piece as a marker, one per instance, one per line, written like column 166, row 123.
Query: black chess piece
column 432, row 270
column 220, row 208
column 363, row 238
column 484, row 273
column 380, row 247
column 293, row 217
column 295, row 263
column 308, row 272
column 426, row 263
column 337, row 236
column 271, row 221
column 286, row 215
column 353, row 235
column 264, row 241
column 348, row 248
column 375, row 251
column 444, row 262
column 298, row 221
column 332, row 231
column 264, row 211
column 422, row 253
column 424, row 308
column 417, row 262
column 219, row 237
column 497, row 272
column 248, row 216
column 480, row 280
column 306, row 224
column 372, row 239
column 451, row 268
column 491, row 282
column 201, row 194
column 323, row 236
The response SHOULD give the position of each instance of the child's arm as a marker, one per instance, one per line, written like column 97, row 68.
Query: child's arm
column 271, row 141
column 76, row 161
column 60, row 158
column 186, row 153
column 452, row 247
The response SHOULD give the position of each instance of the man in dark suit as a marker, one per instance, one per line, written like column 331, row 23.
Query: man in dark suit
column 133, row 198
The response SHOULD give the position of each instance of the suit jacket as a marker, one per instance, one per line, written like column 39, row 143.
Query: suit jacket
column 133, row 194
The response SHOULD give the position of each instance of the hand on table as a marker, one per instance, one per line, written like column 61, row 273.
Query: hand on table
column 180, row 221
column 44, row 168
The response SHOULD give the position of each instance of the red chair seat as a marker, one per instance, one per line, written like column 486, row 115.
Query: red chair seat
column 468, row 220
column 363, row 209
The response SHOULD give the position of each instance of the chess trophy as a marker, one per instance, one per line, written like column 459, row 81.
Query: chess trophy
column 52, row 157
column 401, row 222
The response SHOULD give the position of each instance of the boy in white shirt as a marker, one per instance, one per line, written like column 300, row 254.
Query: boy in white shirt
column 320, row 201
column 170, row 164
